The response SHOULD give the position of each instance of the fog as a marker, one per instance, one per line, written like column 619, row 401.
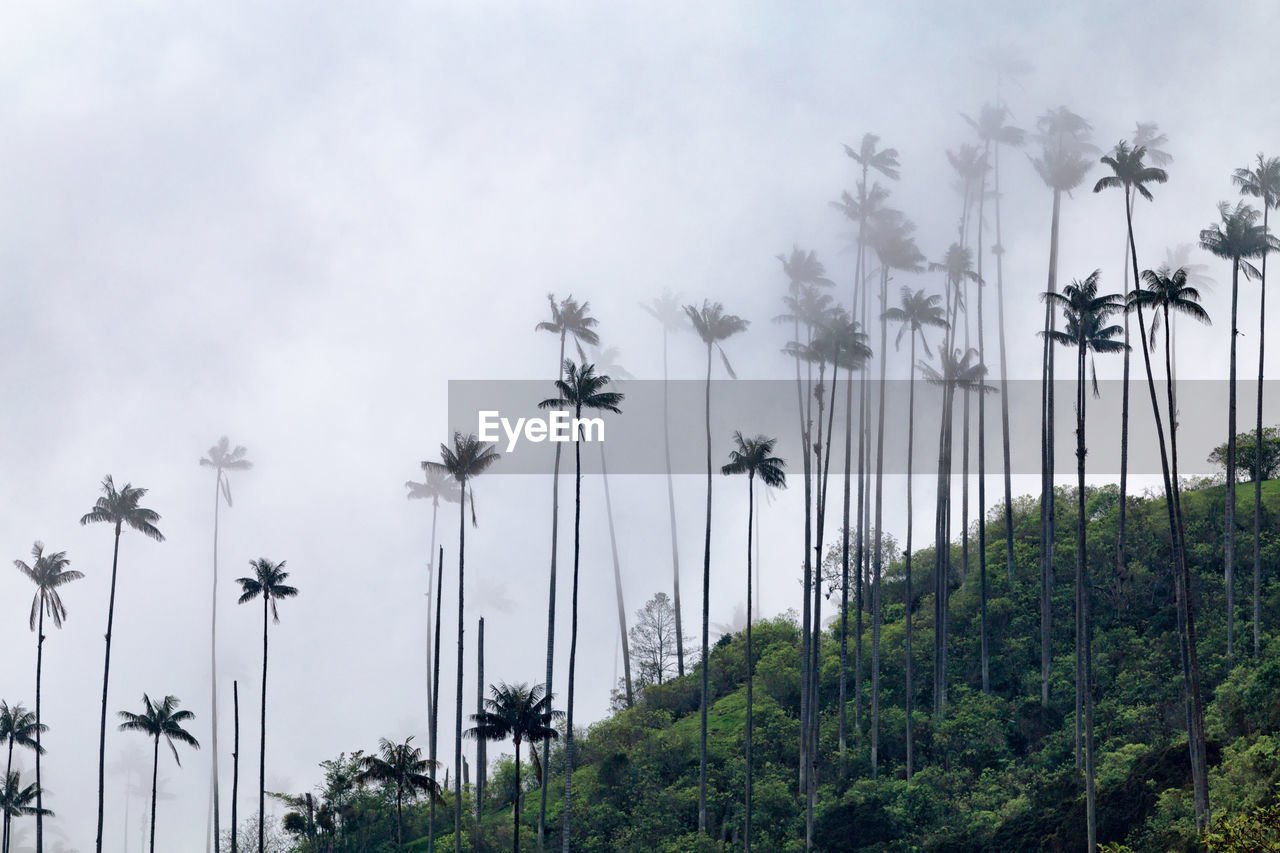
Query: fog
column 294, row 224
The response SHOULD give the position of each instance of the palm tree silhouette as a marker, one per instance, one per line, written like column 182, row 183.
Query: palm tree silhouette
column 222, row 458
column 1131, row 173
column 916, row 312
column 667, row 311
column 521, row 713
column 1239, row 238
column 1261, row 182
column 713, row 325
column 267, row 583
column 992, row 130
column 753, row 456
column 435, row 487
column 582, row 388
column 16, row 801
column 159, row 720
column 1085, row 314
column 467, row 459
column 18, row 727
column 1062, row 165
column 119, row 508
column 48, row 572
column 402, row 766
column 568, row 319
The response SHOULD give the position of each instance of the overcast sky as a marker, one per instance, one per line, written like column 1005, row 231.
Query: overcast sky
column 294, row 223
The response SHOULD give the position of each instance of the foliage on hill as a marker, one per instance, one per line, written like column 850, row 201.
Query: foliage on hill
column 996, row 773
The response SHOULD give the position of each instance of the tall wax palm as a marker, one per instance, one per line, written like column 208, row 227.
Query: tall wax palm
column 916, row 312
column 119, row 507
column 1062, row 165
column 48, row 572
column 18, row 727
column 753, row 456
column 1240, row 239
column 896, row 249
column 569, row 319
column 1085, row 315
column 400, row 766
column 582, row 388
column 961, row 372
column 467, row 459
column 606, row 361
column 1263, row 183
column 808, row 305
column 223, row 459
column 267, row 583
column 159, row 720
column 667, row 311
column 863, row 210
column 521, row 713
column 433, row 720
column 1129, row 172
column 713, row 325
column 970, row 165
column 994, row 133
column 16, row 801
column 435, row 487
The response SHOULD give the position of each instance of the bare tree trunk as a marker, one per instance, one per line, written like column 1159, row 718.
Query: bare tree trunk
column 434, row 714
column 457, row 736
column 551, row 619
column 909, row 601
column 481, row 751
column 213, row 671
column 39, row 749
column 1229, row 526
column 706, row 652
column 235, row 765
column 102, row 728
column 751, row 505
column 1046, row 467
column 671, row 509
column 573, row 635
column 617, row 580
column 1257, row 465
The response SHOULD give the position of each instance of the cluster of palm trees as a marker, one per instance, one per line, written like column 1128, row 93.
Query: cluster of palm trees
column 121, row 508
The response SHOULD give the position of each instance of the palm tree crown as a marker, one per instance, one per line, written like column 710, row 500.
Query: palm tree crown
column 161, row 720
column 1168, row 292
column 516, row 711
column 438, row 486
column 269, row 582
column 467, row 459
column 754, row 456
column 570, row 319
column 48, row 572
column 19, row 725
column 120, row 507
column 1261, row 182
column 1129, row 171
column 917, row 311
column 581, row 389
column 401, row 765
column 1085, row 314
column 223, row 458
column 884, row 161
column 713, row 325
column 1239, row 237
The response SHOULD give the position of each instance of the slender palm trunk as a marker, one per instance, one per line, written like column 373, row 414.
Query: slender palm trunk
column 860, row 289
column 515, row 806
column 1046, row 468
column 906, row 554
column 844, row 568
column 262, row 742
column 400, row 819
column 671, row 508
column 457, row 734
column 877, row 599
column 942, row 553
column 751, row 506
column 573, row 634
column 235, row 764
column 706, row 652
column 1257, row 454
column 1083, row 657
column 1004, row 381
column 213, row 670
column 434, row 714
column 431, row 573
column 805, row 426
column 155, row 772
column 39, row 783
column 1229, row 526
column 482, row 753
column 1121, row 555
column 985, row 628
column 617, row 580
column 102, row 727
column 8, row 768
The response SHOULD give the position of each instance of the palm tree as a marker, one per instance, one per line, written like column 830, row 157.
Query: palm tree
column 159, row 720
column 434, row 715
column 1131, row 173
column 916, row 312
column 16, row 801
column 753, row 456
column 435, row 487
column 267, row 583
column 48, row 572
column 582, row 388
column 402, row 766
column 568, row 319
column 521, row 713
column 1064, row 139
column 713, row 325
column 962, row 372
column 119, row 508
column 19, row 727
column 467, row 459
column 1085, row 314
column 1239, row 239
column 667, row 311
column 992, row 130
column 1261, row 182
column 222, row 458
